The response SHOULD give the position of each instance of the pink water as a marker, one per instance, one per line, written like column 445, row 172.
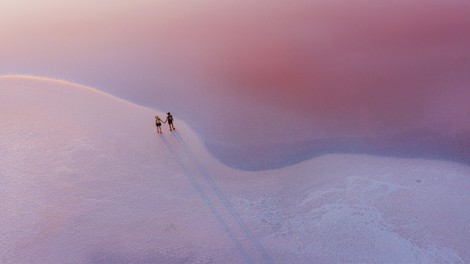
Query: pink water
column 266, row 83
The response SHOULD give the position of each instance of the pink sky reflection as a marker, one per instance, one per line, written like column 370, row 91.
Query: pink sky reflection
column 259, row 73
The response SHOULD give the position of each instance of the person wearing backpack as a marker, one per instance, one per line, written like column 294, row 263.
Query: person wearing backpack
column 170, row 120
column 158, row 123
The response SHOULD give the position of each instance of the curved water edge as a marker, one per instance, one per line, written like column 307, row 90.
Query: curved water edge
column 421, row 142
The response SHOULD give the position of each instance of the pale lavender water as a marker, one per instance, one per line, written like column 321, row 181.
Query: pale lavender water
column 267, row 83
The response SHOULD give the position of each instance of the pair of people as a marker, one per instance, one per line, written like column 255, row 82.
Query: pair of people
column 158, row 122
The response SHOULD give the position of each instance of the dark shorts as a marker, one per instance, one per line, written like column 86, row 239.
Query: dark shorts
column 170, row 122
column 159, row 124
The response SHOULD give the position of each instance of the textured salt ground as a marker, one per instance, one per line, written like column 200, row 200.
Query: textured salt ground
column 84, row 177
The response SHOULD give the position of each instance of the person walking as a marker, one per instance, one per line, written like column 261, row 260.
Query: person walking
column 170, row 120
column 158, row 123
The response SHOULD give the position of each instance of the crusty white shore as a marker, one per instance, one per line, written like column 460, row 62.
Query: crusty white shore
column 84, row 177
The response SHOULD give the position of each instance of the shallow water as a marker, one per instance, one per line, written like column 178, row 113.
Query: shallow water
column 266, row 83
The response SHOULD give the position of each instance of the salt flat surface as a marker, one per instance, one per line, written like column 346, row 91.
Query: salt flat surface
column 85, row 178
